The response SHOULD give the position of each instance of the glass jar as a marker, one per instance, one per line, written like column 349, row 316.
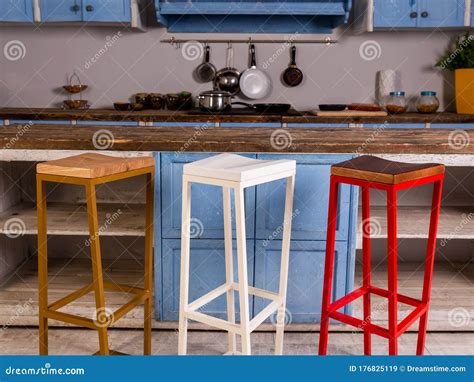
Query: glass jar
column 396, row 103
column 427, row 103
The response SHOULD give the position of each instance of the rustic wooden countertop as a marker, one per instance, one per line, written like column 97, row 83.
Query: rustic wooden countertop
column 291, row 140
column 182, row 116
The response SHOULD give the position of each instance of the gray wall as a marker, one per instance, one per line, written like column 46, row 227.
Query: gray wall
column 138, row 62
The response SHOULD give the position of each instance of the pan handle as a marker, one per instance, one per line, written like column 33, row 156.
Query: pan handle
column 230, row 57
column 250, row 106
column 253, row 60
column 208, row 54
column 293, row 56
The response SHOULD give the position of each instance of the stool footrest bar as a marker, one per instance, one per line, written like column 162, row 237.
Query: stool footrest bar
column 133, row 303
column 410, row 319
column 401, row 298
column 347, row 299
column 208, row 297
column 71, row 297
column 264, row 314
column 259, row 292
column 349, row 320
column 122, row 288
column 70, row 319
column 213, row 321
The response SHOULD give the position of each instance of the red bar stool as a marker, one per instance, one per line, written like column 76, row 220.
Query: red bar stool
column 371, row 172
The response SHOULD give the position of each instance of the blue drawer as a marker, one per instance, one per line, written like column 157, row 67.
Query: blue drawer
column 206, row 201
column 107, row 123
column 320, row 125
column 395, row 125
column 207, row 272
column 38, row 122
column 454, row 126
column 252, row 124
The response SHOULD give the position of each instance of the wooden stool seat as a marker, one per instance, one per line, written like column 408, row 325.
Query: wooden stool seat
column 374, row 169
column 91, row 166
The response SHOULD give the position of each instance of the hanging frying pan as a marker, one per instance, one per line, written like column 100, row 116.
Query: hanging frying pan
column 293, row 76
column 254, row 83
column 206, row 71
column 266, row 108
column 227, row 79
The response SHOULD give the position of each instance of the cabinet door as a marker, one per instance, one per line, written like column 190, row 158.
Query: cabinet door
column 207, row 272
column 206, row 201
column 395, row 13
column 61, row 10
column 16, row 10
column 107, row 10
column 305, row 278
column 310, row 206
column 441, row 13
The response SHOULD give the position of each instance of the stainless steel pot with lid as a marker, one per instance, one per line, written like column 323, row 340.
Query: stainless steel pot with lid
column 215, row 100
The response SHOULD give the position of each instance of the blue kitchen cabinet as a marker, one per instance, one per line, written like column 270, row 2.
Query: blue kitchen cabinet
column 206, row 201
column 395, row 125
column 453, row 126
column 310, row 206
column 38, row 122
column 207, row 272
column 107, row 123
column 418, row 13
column 305, row 276
column 61, row 10
column 395, row 13
column 16, row 11
column 107, row 10
column 441, row 13
column 472, row 16
column 249, row 16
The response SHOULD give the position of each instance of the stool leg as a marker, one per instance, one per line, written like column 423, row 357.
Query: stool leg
column 42, row 265
column 429, row 265
column 184, row 282
column 229, row 269
column 392, row 271
column 285, row 256
column 366, row 266
column 328, row 266
column 148, row 306
column 97, row 273
column 243, row 276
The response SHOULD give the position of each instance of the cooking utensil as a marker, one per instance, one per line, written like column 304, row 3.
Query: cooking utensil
column 227, row 79
column 364, row 107
column 76, row 103
column 254, row 83
column 332, row 107
column 74, row 89
column 266, row 108
column 206, row 71
column 293, row 76
column 215, row 100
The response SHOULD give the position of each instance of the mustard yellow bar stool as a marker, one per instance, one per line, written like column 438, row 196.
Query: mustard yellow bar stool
column 89, row 170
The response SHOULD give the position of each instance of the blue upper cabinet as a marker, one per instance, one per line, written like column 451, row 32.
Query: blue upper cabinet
column 16, row 11
column 441, row 13
column 61, row 10
column 249, row 16
column 399, row 14
column 395, row 13
column 107, row 10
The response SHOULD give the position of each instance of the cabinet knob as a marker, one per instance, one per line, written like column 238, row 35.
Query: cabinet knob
column 76, row 8
column 424, row 14
column 89, row 8
column 414, row 15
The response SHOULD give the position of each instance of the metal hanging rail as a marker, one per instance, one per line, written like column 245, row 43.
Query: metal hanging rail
column 175, row 41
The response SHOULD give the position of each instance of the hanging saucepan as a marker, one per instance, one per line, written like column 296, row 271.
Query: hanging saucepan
column 227, row 79
column 254, row 83
column 266, row 108
column 293, row 76
column 206, row 71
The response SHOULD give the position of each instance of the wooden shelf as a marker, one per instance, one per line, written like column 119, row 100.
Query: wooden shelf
column 413, row 223
column 71, row 219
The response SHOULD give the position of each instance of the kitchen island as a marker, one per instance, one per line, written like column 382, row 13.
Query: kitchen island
column 31, row 135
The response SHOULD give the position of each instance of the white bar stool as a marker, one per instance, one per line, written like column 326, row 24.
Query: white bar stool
column 235, row 172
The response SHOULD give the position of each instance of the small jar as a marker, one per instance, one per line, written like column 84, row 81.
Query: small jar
column 186, row 101
column 428, row 103
column 143, row 99
column 396, row 103
column 156, row 101
column 173, row 101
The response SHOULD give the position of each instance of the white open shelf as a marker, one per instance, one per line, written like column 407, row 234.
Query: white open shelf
column 71, row 219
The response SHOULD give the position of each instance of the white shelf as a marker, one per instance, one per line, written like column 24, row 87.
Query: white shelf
column 413, row 223
column 71, row 220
